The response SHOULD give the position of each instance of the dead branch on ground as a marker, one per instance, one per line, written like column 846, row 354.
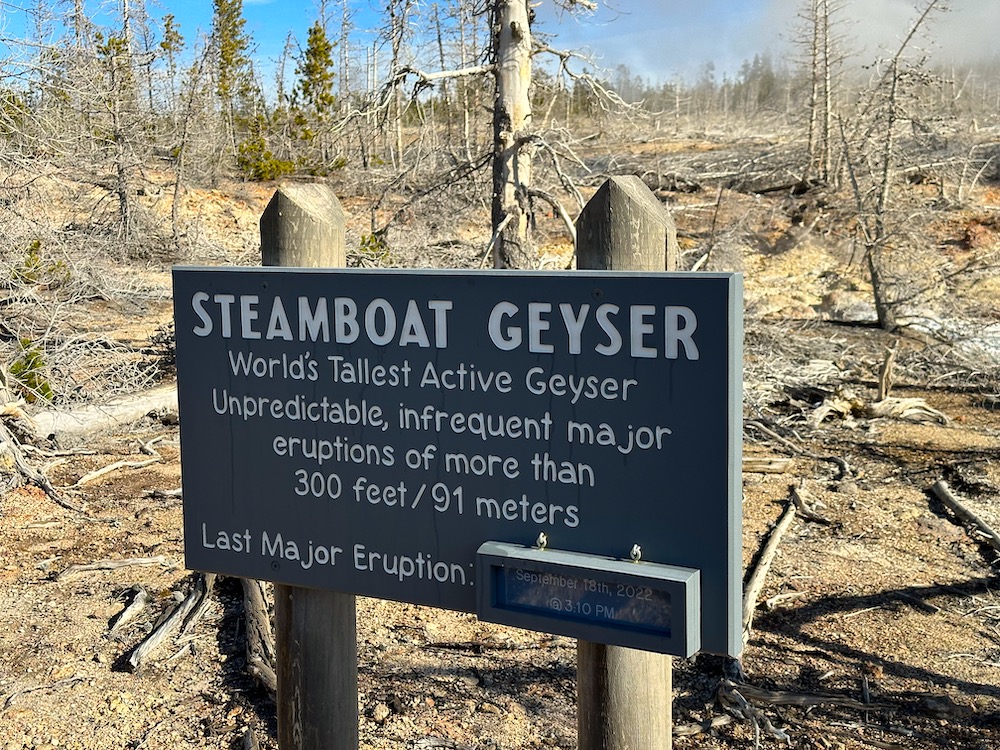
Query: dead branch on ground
column 755, row 583
column 31, row 474
column 806, row 505
column 755, row 694
column 767, row 464
column 943, row 493
column 845, row 470
column 12, row 697
column 736, row 704
column 689, row 730
column 113, row 467
column 140, row 597
column 75, row 570
column 201, row 590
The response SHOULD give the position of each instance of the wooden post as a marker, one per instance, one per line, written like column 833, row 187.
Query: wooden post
column 624, row 696
column 625, row 228
column 315, row 631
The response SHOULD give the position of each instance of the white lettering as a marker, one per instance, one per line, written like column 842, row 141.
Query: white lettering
column 198, row 304
column 505, row 340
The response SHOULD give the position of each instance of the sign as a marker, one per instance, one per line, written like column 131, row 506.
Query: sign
column 623, row 603
column 366, row 432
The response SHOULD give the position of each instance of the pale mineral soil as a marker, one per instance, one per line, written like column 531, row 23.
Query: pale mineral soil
column 893, row 602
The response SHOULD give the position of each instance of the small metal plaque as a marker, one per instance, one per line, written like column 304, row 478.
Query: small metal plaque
column 642, row 605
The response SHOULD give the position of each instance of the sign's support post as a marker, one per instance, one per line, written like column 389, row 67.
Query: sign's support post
column 624, row 696
column 315, row 631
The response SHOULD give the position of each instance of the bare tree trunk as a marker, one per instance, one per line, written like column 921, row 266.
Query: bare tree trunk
column 398, row 12
column 878, row 232
column 446, row 100
column 826, row 134
column 180, row 171
column 345, row 59
column 813, row 18
column 511, row 153
column 466, row 105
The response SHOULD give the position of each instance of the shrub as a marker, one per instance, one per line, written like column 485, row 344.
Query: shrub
column 28, row 373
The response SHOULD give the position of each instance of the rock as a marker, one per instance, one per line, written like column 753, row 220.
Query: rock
column 848, row 307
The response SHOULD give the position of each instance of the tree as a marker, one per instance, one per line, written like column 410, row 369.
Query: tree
column 171, row 45
column 315, row 72
column 512, row 145
column 120, row 104
column 314, row 99
column 874, row 188
column 234, row 84
column 822, row 61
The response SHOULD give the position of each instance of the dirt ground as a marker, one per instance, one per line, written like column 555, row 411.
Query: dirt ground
column 878, row 625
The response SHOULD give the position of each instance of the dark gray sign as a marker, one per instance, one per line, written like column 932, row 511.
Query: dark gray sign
column 366, row 432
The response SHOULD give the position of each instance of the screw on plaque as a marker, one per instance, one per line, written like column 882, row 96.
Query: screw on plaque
column 542, row 540
column 636, row 553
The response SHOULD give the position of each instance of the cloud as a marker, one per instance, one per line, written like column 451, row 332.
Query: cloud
column 659, row 39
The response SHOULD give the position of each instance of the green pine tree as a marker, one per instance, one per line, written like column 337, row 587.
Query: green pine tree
column 234, row 84
column 315, row 72
column 313, row 103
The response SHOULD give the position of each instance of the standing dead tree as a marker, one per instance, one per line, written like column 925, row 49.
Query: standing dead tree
column 819, row 40
column 518, row 145
column 873, row 166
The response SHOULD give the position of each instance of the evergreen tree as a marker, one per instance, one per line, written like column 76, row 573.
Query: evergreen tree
column 234, row 84
column 172, row 45
column 315, row 72
column 313, row 103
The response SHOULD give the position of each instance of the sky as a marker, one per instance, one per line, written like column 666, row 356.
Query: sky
column 662, row 39
column 658, row 40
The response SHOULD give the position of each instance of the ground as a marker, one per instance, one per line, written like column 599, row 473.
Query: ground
column 878, row 624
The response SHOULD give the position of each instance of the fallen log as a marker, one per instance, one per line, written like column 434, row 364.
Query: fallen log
column 74, row 570
column 756, row 582
column 202, row 589
column 943, row 493
column 767, row 464
column 114, row 413
column 908, row 409
column 140, row 597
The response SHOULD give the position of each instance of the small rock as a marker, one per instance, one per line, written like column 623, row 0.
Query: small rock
column 489, row 708
column 469, row 680
column 381, row 712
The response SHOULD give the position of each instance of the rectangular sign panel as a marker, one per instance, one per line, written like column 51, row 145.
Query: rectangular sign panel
column 629, row 603
column 366, row 432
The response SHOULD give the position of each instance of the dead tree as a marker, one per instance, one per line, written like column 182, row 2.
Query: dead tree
column 511, row 146
column 874, row 191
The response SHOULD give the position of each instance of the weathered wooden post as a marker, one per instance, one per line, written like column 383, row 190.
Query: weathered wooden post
column 624, row 695
column 315, row 631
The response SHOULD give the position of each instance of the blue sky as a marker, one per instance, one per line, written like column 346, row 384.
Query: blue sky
column 656, row 39
column 661, row 39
